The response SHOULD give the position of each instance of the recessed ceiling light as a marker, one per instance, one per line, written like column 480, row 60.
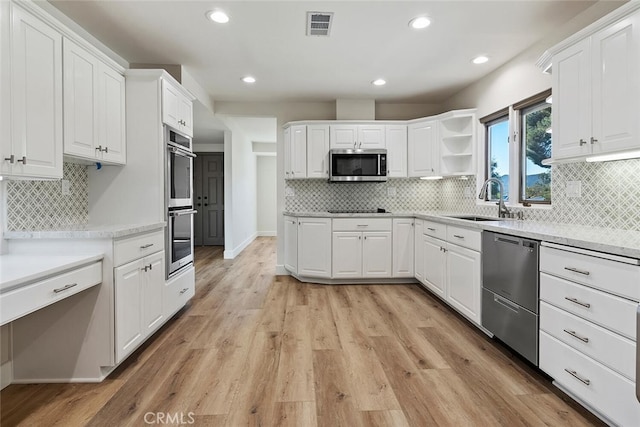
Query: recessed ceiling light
column 480, row 59
column 379, row 82
column 218, row 16
column 249, row 79
column 420, row 22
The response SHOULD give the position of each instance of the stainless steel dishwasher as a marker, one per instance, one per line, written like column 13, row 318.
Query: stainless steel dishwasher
column 510, row 291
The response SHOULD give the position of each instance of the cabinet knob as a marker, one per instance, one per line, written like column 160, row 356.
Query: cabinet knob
column 11, row 159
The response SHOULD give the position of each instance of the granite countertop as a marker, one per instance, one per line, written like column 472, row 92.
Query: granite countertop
column 87, row 232
column 21, row 270
column 612, row 241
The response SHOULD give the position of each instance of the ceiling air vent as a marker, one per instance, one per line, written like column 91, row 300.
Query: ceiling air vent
column 319, row 23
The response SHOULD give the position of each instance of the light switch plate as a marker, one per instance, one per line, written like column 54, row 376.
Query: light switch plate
column 573, row 189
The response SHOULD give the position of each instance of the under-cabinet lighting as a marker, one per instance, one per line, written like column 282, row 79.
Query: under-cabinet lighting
column 249, row 79
column 419, row 22
column 480, row 59
column 379, row 82
column 615, row 156
column 218, row 16
column 430, row 177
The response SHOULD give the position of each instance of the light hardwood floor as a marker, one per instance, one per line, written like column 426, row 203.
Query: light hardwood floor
column 264, row 350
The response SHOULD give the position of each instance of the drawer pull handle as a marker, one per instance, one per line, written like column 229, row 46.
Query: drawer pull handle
column 64, row 288
column 575, row 375
column 575, row 335
column 184, row 290
column 431, row 229
column 363, row 225
column 575, row 270
column 458, row 236
column 575, row 301
column 148, row 245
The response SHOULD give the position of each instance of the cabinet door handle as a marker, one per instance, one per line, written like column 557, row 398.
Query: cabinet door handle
column 582, row 142
column 575, row 301
column 23, row 160
column 106, row 149
column 362, row 225
column 64, row 288
column 457, row 236
column 578, row 377
column 184, row 290
column 148, row 245
column 11, row 159
column 431, row 229
column 575, row 270
column 593, row 140
column 575, row 335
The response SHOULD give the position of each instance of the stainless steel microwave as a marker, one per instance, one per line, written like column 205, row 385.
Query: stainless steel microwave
column 357, row 165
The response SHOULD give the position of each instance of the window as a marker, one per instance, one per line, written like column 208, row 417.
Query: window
column 518, row 140
column 498, row 157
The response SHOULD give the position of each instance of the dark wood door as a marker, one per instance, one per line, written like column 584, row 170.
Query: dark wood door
column 209, row 199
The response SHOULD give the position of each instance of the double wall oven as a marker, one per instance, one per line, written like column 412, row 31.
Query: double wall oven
column 179, row 201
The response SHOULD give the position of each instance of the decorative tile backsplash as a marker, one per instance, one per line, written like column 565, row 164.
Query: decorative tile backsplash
column 394, row 195
column 40, row 205
column 610, row 196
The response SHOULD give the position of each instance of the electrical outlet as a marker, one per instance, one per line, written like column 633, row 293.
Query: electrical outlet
column 66, row 187
column 573, row 189
column 467, row 192
column 391, row 191
column 289, row 192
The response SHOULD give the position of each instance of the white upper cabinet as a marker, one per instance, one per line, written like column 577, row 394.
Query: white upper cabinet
column 423, row 149
column 317, row 151
column 33, row 148
column 457, row 143
column 396, row 139
column 596, row 92
column 295, row 152
column 177, row 108
column 368, row 136
column 94, row 107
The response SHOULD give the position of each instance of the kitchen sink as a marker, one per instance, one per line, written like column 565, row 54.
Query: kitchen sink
column 476, row 218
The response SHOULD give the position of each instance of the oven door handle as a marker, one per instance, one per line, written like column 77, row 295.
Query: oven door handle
column 185, row 212
column 180, row 152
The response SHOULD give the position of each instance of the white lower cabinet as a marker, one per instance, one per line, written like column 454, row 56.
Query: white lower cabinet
column 138, row 296
column 314, row 247
column 453, row 272
column 418, row 262
column 403, row 247
column 362, row 254
column 347, row 254
column 376, row 254
column 588, row 328
column 291, row 244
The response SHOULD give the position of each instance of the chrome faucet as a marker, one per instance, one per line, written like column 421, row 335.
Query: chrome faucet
column 503, row 212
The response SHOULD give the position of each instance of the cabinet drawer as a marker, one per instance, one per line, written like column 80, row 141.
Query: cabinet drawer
column 604, row 390
column 27, row 299
column 138, row 246
column 608, row 348
column 465, row 237
column 609, row 311
column 434, row 229
column 362, row 224
column 178, row 290
column 612, row 276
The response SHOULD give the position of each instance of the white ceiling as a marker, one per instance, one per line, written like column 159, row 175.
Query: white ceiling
column 369, row 39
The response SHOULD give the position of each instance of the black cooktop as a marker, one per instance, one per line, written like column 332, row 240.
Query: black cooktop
column 353, row 211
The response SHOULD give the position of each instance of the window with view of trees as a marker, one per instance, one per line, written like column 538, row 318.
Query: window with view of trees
column 526, row 180
column 536, row 147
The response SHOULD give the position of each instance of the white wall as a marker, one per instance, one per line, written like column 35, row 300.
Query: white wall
column 267, row 195
column 240, row 192
column 3, row 215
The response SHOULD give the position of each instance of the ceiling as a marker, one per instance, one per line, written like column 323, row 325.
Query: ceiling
column 369, row 40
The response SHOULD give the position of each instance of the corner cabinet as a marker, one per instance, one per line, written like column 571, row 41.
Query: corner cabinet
column 32, row 96
column 94, row 107
column 457, row 143
column 314, row 247
column 596, row 91
column 177, row 108
column 423, row 149
column 403, row 247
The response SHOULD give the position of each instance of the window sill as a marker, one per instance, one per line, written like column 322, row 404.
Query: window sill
column 534, row 206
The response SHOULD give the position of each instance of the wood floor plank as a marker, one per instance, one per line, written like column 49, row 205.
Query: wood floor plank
column 393, row 418
column 295, row 414
column 275, row 307
column 554, row 412
column 324, row 333
column 294, row 381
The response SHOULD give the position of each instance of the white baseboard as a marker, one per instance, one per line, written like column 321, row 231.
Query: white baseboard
column 281, row 271
column 267, row 234
column 232, row 253
column 6, row 374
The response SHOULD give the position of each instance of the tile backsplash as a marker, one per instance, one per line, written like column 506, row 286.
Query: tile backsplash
column 610, row 196
column 40, row 205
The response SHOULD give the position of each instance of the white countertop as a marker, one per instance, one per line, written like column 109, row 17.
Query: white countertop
column 613, row 241
column 21, row 270
column 87, row 232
